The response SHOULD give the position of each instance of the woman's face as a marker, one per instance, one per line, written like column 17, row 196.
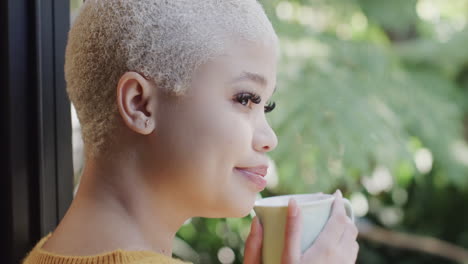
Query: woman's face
column 202, row 137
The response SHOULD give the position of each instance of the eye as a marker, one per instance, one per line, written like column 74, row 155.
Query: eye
column 244, row 98
column 269, row 107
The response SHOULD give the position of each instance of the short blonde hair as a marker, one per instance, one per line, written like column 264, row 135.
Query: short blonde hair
column 164, row 40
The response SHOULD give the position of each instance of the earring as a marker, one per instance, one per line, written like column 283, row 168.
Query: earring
column 146, row 122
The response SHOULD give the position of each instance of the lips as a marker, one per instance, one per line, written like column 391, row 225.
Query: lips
column 259, row 170
column 255, row 175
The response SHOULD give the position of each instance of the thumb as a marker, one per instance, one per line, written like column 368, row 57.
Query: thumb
column 292, row 240
column 253, row 244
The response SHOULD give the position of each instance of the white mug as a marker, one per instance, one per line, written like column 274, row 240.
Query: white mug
column 272, row 213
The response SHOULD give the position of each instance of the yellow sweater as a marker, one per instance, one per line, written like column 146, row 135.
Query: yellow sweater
column 119, row 256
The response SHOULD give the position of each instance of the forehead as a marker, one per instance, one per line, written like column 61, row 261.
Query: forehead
column 243, row 61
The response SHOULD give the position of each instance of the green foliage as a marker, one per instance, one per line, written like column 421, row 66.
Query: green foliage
column 357, row 105
column 394, row 15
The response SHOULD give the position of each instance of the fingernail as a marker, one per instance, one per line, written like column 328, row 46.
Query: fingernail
column 293, row 207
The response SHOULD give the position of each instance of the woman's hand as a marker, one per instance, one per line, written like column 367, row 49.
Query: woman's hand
column 336, row 244
column 253, row 244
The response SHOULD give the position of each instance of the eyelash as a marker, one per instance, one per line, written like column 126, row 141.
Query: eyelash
column 255, row 98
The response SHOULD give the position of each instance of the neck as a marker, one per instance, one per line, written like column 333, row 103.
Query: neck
column 124, row 210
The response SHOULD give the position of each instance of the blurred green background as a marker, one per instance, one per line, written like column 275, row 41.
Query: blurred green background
column 372, row 99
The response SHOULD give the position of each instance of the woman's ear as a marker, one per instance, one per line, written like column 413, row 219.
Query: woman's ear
column 136, row 99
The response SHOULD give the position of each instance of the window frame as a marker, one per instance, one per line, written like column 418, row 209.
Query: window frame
column 36, row 182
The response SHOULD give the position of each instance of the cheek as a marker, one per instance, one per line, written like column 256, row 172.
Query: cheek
column 228, row 145
column 199, row 150
column 221, row 140
column 218, row 142
column 205, row 142
column 220, row 130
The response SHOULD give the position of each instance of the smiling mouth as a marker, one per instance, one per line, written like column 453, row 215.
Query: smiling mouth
column 257, row 179
column 259, row 170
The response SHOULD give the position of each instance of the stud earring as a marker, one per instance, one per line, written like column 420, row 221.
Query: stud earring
column 146, row 122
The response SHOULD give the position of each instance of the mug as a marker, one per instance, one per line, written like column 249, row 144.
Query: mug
column 272, row 213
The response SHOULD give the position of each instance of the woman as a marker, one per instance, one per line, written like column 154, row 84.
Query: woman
column 172, row 97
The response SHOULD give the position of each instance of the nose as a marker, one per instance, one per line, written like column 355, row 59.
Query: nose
column 264, row 139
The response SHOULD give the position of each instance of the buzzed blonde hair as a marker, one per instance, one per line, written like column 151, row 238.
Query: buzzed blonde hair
column 164, row 40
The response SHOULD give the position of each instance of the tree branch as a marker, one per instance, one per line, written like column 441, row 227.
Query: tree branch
column 425, row 244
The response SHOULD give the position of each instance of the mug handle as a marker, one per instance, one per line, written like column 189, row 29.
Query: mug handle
column 349, row 209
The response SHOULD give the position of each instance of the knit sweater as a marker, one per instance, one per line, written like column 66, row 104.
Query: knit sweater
column 119, row 256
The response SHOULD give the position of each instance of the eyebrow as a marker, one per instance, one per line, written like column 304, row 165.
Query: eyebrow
column 254, row 77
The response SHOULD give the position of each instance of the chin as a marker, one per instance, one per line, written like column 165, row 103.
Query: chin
column 238, row 212
column 231, row 211
column 234, row 203
column 239, row 208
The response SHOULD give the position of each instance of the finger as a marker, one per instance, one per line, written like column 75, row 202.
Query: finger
column 350, row 234
column 292, row 240
column 253, row 244
column 348, row 244
column 336, row 224
column 354, row 252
